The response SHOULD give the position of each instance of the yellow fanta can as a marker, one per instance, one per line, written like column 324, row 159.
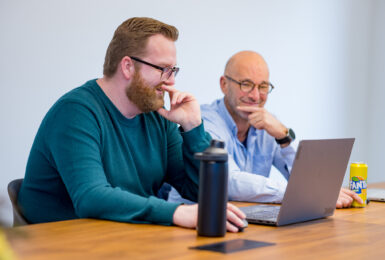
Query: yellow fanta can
column 358, row 182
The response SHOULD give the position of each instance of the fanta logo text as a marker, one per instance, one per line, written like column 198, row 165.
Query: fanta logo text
column 357, row 184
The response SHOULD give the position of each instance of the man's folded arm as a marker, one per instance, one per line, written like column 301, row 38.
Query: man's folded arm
column 245, row 186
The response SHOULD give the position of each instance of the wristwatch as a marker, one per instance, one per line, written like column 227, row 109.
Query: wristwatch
column 288, row 138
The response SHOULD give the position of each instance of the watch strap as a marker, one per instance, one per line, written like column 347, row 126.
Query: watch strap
column 284, row 140
column 288, row 138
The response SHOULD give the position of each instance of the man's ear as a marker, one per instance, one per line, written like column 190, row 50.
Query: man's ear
column 127, row 67
column 223, row 84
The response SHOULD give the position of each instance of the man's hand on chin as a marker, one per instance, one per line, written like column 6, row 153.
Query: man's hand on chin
column 184, row 109
column 260, row 118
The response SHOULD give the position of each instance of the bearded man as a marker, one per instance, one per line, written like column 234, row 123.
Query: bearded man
column 104, row 149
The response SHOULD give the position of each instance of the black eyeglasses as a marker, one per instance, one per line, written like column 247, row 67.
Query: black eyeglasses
column 248, row 86
column 166, row 72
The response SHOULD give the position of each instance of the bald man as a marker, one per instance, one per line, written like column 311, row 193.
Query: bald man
column 255, row 139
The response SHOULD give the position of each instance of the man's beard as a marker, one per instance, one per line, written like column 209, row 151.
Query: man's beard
column 143, row 95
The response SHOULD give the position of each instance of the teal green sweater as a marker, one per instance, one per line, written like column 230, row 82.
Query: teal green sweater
column 89, row 161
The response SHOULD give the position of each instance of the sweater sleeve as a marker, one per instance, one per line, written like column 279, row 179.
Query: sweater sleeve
column 76, row 147
column 183, row 169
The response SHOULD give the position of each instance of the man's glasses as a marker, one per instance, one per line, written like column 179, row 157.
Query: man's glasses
column 248, row 86
column 166, row 72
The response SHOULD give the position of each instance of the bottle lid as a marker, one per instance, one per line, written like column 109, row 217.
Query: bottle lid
column 215, row 152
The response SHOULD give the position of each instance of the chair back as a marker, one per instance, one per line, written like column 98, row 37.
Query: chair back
column 13, row 192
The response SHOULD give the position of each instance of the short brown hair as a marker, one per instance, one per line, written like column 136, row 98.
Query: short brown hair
column 130, row 39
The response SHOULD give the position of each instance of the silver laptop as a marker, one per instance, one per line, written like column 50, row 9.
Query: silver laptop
column 314, row 185
column 376, row 194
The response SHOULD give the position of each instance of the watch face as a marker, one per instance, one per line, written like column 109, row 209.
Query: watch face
column 291, row 134
column 288, row 138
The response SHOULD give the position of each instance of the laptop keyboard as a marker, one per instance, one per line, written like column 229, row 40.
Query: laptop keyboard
column 261, row 212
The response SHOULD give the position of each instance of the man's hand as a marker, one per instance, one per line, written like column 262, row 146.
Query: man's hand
column 346, row 198
column 234, row 216
column 184, row 109
column 260, row 118
column 187, row 216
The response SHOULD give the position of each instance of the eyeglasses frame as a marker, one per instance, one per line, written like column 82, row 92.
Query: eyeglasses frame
column 174, row 70
column 240, row 85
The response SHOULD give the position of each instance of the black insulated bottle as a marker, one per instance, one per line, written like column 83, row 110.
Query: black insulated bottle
column 212, row 200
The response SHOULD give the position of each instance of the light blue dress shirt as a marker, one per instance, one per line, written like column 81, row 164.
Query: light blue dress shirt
column 250, row 165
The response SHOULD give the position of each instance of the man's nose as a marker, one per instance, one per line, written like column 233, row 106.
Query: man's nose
column 171, row 80
column 254, row 94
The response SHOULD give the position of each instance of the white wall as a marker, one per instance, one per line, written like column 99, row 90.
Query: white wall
column 376, row 91
column 325, row 57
